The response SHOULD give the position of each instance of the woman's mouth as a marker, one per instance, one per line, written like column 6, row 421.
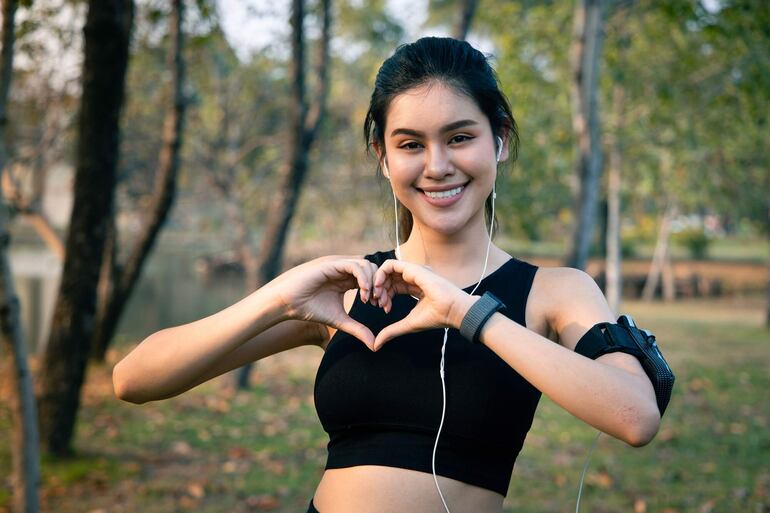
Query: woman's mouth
column 444, row 198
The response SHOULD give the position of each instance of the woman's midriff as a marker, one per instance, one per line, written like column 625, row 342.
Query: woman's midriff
column 380, row 489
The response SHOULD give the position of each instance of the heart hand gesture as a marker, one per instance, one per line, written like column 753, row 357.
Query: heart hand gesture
column 441, row 303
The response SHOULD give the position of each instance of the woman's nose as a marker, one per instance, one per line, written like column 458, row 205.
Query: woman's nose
column 438, row 162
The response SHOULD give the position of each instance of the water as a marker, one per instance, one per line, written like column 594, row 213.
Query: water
column 169, row 292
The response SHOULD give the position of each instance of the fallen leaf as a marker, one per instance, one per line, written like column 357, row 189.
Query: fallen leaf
column 181, row 448
column 262, row 502
column 196, row 490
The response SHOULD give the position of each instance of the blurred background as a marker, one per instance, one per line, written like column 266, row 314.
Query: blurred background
column 162, row 159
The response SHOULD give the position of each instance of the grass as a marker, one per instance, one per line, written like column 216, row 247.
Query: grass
column 211, row 451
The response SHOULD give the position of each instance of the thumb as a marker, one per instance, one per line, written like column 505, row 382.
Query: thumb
column 390, row 332
column 359, row 331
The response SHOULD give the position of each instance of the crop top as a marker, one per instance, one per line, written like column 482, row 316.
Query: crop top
column 384, row 408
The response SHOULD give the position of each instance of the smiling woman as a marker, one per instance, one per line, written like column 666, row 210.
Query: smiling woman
column 436, row 351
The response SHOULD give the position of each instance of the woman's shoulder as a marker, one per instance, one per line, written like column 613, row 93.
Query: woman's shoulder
column 563, row 285
column 560, row 295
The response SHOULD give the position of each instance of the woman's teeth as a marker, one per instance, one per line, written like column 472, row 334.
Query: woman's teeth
column 444, row 194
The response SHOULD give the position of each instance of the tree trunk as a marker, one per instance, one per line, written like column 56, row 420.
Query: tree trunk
column 465, row 19
column 24, row 437
column 588, row 37
column 659, row 255
column 107, row 36
column 767, row 307
column 127, row 274
column 613, row 274
column 667, row 274
column 304, row 123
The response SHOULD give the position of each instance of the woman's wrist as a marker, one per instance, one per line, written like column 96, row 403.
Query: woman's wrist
column 460, row 309
column 268, row 306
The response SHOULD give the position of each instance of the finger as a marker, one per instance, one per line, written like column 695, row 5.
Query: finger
column 369, row 269
column 405, row 271
column 359, row 331
column 384, row 291
column 377, row 288
column 357, row 270
column 406, row 288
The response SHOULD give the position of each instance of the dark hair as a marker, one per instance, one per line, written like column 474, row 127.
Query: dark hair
column 451, row 62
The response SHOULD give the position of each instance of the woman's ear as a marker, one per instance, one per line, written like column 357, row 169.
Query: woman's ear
column 503, row 153
column 382, row 159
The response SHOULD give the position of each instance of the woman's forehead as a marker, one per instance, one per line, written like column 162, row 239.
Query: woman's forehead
column 430, row 106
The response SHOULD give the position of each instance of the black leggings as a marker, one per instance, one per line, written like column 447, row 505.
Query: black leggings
column 311, row 508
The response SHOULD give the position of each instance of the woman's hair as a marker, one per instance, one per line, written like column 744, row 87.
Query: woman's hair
column 451, row 62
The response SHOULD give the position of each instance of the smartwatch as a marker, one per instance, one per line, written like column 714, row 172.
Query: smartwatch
column 478, row 315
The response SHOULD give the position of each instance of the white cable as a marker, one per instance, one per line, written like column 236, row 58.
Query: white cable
column 585, row 467
column 446, row 331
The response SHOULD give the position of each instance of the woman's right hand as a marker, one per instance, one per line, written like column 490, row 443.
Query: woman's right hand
column 314, row 292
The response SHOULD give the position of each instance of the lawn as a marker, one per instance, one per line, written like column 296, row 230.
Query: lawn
column 212, row 451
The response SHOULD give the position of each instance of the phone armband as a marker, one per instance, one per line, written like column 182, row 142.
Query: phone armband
column 626, row 337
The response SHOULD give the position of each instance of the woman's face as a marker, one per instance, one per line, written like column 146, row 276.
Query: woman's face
column 438, row 140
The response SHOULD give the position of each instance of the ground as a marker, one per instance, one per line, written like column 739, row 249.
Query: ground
column 213, row 451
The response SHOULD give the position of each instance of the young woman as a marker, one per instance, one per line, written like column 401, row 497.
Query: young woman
column 427, row 404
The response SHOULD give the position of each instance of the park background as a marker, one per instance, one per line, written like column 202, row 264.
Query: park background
column 162, row 159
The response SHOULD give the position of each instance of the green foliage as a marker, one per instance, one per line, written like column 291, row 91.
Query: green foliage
column 695, row 118
column 695, row 240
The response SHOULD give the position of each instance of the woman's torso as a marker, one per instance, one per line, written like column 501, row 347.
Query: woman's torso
column 386, row 489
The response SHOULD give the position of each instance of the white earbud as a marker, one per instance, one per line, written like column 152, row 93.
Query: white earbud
column 385, row 167
column 499, row 147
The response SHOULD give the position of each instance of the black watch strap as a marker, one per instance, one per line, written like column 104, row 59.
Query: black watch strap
column 478, row 315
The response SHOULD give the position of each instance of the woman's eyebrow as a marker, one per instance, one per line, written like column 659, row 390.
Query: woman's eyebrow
column 446, row 128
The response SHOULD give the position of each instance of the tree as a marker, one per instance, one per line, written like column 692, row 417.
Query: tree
column 468, row 9
column 304, row 123
column 588, row 36
column 612, row 268
column 118, row 279
column 107, row 34
column 25, row 440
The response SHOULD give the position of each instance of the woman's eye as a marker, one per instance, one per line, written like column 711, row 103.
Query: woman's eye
column 460, row 138
column 410, row 146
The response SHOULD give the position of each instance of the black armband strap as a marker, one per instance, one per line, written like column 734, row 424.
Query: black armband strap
column 624, row 336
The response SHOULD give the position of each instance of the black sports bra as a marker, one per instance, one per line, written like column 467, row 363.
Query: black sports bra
column 384, row 408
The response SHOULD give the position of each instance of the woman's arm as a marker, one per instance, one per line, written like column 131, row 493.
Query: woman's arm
column 173, row 360
column 611, row 393
column 285, row 313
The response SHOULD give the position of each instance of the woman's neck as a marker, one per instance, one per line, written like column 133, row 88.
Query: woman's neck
column 460, row 258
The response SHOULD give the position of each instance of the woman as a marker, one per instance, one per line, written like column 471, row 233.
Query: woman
column 439, row 126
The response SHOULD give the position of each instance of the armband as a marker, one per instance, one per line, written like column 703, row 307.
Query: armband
column 625, row 337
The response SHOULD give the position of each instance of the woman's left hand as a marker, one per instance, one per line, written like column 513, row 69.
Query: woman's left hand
column 441, row 304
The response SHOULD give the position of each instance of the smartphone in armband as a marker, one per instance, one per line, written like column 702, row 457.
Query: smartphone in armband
column 626, row 337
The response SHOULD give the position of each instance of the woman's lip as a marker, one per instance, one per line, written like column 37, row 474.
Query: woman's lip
column 444, row 202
